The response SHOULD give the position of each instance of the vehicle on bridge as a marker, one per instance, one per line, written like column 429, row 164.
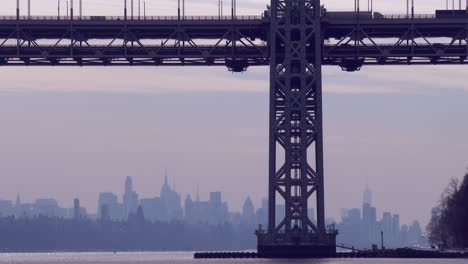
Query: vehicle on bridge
column 345, row 15
column 451, row 14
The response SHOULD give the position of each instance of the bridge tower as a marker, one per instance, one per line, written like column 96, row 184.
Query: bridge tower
column 295, row 140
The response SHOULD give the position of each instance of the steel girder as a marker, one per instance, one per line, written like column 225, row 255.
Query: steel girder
column 348, row 43
column 236, row 44
column 352, row 44
column 295, row 125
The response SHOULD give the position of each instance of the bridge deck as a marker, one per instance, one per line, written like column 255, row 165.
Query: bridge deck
column 208, row 40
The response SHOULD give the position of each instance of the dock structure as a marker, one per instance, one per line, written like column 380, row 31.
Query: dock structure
column 402, row 253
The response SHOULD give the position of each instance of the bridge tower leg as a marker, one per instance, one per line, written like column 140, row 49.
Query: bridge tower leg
column 296, row 141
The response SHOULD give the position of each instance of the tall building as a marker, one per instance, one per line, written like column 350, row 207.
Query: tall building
column 369, row 220
column 414, row 234
column 262, row 213
column 104, row 212
column 76, row 209
column 130, row 198
column 387, row 228
column 154, row 209
column 248, row 213
column 404, row 236
column 211, row 212
column 219, row 210
column 6, row 208
column 351, row 229
column 110, row 202
column 172, row 202
column 215, row 197
column 190, row 211
column 396, row 231
column 344, row 214
column 47, row 207
column 18, row 200
column 354, row 216
column 367, row 196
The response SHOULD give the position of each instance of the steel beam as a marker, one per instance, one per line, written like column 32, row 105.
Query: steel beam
column 296, row 129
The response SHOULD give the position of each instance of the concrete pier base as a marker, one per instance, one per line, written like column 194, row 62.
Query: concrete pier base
column 294, row 251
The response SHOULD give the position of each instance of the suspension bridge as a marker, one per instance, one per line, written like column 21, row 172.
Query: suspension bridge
column 295, row 38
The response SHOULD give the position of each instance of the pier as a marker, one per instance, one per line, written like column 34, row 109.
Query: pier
column 401, row 253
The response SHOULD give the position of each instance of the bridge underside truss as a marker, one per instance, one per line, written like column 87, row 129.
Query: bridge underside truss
column 231, row 43
column 237, row 44
column 353, row 44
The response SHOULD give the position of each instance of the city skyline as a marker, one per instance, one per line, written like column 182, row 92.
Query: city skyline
column 359, row 227
column 129, row 200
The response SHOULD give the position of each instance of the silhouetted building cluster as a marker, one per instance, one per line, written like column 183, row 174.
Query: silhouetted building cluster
column 44, row 206
column 211, row 212
column 123, row 217
column 128, row 223
column 360, row 228
column 52, row 234
column 167, row 207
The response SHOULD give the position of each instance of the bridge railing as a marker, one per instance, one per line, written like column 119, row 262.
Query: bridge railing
column 405, row 16
column 61, row 46
column 135, row 18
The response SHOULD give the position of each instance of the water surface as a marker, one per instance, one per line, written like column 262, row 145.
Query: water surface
column 186, row 258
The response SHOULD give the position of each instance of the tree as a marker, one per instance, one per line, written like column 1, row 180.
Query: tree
column 448, row 226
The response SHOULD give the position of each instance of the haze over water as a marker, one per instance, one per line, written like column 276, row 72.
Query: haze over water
column 186, row 258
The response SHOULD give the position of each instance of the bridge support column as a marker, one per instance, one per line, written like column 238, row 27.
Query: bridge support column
column 296, row 134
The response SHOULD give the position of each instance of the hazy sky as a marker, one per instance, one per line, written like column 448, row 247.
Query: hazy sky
column 73, row 132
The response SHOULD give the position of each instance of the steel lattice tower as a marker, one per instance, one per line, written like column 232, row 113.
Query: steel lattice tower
column 296, row 128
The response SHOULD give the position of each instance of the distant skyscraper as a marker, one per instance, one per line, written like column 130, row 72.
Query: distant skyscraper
column 190, row 210
column 211, row 212
column 154, row 209
column 414, row 234
column 396, row 231
column 47, row 207
column 76, row 209
column 354, row 216
column 344, row 214
column 387, row 228
column 367, row 196
column 6, row 208
column 18, row 201
column 18, row 206
column 404, row 236
column 130, row 198
column 248, row 213
column 215, row 197
column 218, row 210
column 104, row 212
column 172, row 201
column 114, row 209
column 367, row 221
column 262, row 213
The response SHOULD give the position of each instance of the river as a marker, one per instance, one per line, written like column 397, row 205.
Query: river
column 185, row 258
